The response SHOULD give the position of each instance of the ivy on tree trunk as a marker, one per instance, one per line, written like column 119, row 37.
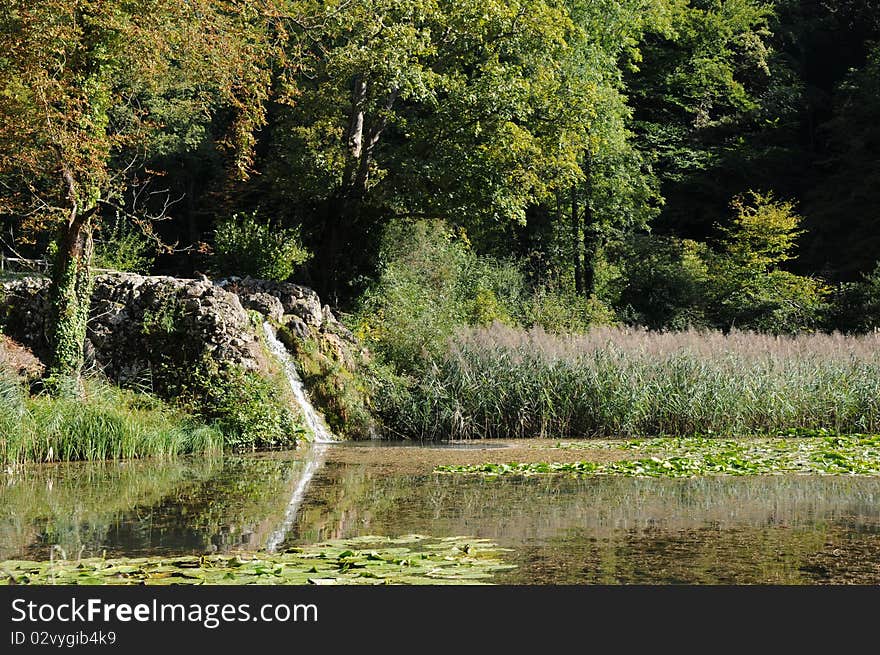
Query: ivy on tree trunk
column 71, row 292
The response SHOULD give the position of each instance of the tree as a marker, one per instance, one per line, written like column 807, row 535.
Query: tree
column 749, row 287
column 696, row 94
column 87, row 89
column 420, row 109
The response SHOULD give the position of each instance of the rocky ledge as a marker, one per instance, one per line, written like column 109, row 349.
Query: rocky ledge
column 132, row 315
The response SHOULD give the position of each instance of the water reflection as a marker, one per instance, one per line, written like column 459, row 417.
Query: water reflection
column 778, row 529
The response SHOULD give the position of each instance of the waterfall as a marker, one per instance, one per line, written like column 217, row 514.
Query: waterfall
column 313, row 419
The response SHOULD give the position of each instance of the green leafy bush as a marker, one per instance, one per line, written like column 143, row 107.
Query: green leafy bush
column 562, row 311
column 856, row 305
column 123, row 247
column 432, row 283
column 664, row 283
column 739, row 283
column 248, row 408
column 748, row 288
column 246, row 245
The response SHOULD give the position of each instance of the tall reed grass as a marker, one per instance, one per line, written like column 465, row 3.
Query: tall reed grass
column 109, row 423
column 502, row 382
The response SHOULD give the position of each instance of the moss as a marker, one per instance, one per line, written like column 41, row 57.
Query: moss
column 342, row 390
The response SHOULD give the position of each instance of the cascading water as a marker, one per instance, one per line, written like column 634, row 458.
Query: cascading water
column 313, row 419
column 321, row 435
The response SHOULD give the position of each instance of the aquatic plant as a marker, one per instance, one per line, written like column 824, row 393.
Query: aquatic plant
column 692, row 457
column 616, row 382
column 410, row 559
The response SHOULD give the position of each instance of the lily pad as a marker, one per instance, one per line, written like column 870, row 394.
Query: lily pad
column 427, row 560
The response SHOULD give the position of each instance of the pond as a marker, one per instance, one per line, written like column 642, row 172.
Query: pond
column 782, row 529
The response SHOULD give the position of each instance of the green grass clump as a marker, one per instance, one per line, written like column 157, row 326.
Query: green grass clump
column 107, row 423
column 412, row 559
column 627, row 383
column 693, row 457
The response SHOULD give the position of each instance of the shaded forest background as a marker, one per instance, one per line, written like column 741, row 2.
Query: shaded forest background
column 673, row 164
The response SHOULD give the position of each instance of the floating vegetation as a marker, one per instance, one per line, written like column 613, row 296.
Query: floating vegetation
column 698, row 456
column 411, row 559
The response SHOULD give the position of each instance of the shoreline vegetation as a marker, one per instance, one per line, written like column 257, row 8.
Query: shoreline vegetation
column 502, row 382
column 106, row 423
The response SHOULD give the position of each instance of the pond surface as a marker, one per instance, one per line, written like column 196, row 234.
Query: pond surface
column 718, row 530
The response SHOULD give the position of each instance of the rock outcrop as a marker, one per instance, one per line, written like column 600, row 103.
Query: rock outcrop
column 132, row 315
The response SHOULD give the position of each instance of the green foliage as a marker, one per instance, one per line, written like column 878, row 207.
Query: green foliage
column 103, row 423
column 250, row 410
column 562, row 311
column 748, row 288
column 663, row 284
column 122, row 247
column 855, row 306
column 246, row 245
column 163, row 318
column 71, row 292
column 432, row 284
column 763, row 233
column 669, row 283
column 697, row 457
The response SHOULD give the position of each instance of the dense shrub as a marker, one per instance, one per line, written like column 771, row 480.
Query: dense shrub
column 563, row 311
column 664, row 282
column 856, row 305
column 748, row 287
column 250, row 409
column 123, row 247
column 247, row 245
column 431, row 284
column 738, row 283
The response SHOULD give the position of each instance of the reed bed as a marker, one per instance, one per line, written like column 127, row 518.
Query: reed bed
column 618, row 382
column 109, row 423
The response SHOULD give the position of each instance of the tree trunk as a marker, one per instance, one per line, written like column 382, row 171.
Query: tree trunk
column 71, row 293
column 590, row 235
column 576, row 240
column 344, row 223
column 354, row 137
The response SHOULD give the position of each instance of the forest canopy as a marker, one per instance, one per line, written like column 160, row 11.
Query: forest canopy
column 667, row 163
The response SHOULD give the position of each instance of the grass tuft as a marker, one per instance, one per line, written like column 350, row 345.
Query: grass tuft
column 108, row 423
